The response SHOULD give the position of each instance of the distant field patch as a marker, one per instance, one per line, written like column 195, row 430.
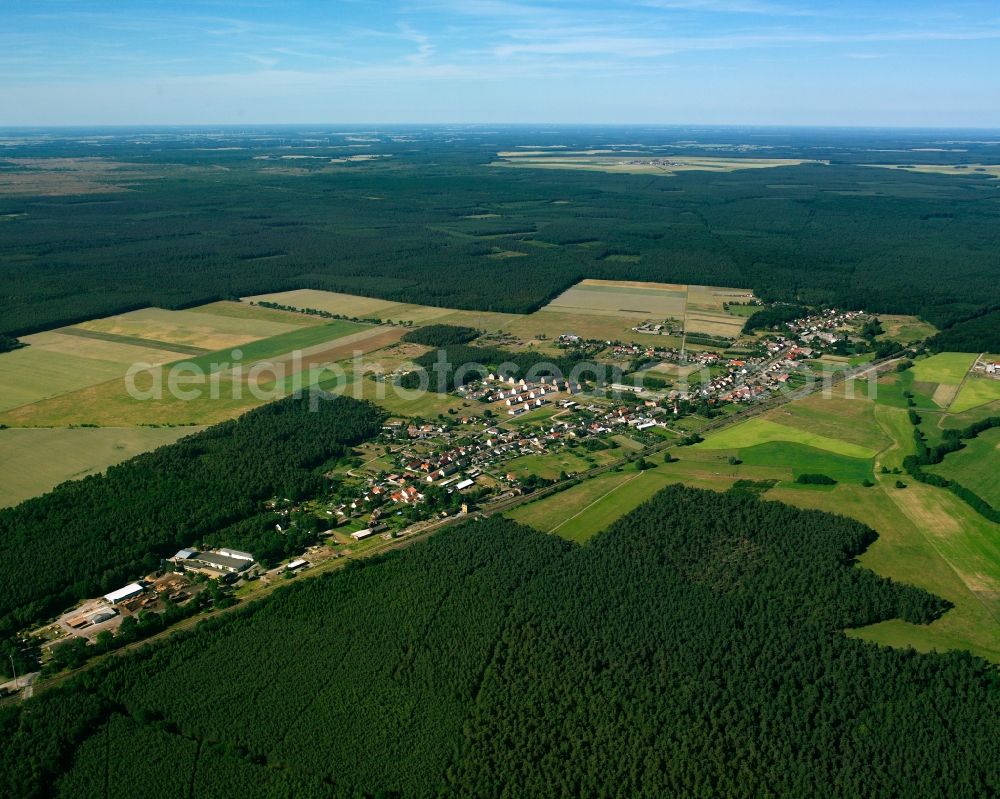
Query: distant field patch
column 638, row 165
column 332, row 302
column 34, row 461
column 762, row 431
column 504, row 254
column 966, row 170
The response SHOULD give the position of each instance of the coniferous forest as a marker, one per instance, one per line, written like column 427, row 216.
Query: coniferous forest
column 425, row 223
column 88, row 536
column 695, row 648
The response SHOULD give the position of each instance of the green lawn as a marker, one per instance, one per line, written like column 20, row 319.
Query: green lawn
column 896, row 424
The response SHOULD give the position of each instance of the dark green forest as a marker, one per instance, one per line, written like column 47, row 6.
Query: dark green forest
column 693, row 649
column 422, row 225
column 90, row 536
column 441, row 335
column 980, row 333
column 8, row 344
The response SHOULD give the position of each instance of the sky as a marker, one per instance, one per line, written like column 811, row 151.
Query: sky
column 880, row 63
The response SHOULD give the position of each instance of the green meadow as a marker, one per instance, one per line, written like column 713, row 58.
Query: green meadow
column 949, row 368
column 804, row 459
column 762, row 431
column 976, row 466
column 275, row 346
column 976, row 391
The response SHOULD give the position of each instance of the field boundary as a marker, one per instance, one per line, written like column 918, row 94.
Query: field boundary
column 599, row 499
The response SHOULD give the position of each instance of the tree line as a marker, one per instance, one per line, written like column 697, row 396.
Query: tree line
column 441, row 335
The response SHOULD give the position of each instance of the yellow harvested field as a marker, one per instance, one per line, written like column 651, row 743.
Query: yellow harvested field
column 612, row 298
column 109, row 404
column 29, row 375
column 333, row 302
column 203, row 330
column 242, row 310
column 944, row 395
column 36, row 460
column 370, row 308
column 112, row 351
column 593, row 309
column 714, row 325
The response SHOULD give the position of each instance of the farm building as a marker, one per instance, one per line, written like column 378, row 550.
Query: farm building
column 123, row 594
column 296, row 564
column 361, row 535
column 464, row 484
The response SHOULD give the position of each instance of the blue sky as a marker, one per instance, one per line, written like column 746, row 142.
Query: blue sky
column 844, row 62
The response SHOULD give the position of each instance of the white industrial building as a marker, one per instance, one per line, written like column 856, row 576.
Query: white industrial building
column 123, row 594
